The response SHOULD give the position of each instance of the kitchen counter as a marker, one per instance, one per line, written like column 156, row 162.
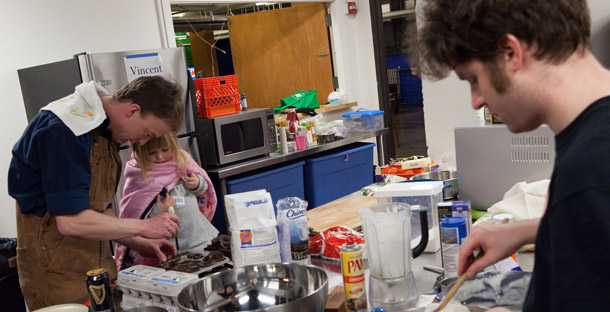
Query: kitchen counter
column 424, row 279
column 344, row 211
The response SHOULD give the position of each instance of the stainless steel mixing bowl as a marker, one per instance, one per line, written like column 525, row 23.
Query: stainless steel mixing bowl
column 264, row 287
column 449, row 178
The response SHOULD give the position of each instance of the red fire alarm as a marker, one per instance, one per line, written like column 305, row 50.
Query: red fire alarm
column 352, row 8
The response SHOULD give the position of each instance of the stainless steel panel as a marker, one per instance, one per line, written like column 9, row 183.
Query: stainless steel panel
column 108, row 69
column 125, row 156
column 490, row 160
column 189, row 144
column 43, row 84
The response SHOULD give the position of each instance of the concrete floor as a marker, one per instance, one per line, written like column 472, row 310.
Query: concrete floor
column 409, row 132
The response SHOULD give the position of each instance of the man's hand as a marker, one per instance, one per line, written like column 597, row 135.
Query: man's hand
column 191, row 181
column 153, row 248
column 164, row 225
column 496, row 241
column 166, row 203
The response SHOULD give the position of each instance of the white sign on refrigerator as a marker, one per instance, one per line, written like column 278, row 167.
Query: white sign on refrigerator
column 140, row 65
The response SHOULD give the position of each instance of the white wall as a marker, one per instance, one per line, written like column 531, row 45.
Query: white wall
column 354, row 58
column 35, row 32
column 447, row 102
column 354, row 55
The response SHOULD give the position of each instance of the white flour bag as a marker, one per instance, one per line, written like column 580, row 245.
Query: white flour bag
column 253, row 229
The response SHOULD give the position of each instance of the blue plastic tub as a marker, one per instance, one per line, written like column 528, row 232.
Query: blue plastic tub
column 337, row 173
column 286, row 181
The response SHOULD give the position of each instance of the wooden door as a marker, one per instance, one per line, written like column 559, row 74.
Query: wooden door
column 279, row 52
column 204, row 56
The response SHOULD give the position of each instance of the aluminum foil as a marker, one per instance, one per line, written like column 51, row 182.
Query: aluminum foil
column 493, row 288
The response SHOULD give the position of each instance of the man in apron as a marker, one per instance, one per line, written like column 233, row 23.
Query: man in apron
column 64, row 173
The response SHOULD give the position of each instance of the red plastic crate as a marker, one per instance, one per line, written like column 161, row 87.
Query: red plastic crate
column 217, row 96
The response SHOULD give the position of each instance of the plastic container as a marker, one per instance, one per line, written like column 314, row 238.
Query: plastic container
column 424, row 193
column 453, row 231
column 338, row 172
column 217, row 96
column 363, row 121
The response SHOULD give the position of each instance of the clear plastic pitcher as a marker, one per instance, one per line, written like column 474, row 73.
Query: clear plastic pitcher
column 387, row 237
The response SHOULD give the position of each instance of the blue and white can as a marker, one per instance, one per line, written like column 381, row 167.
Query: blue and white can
column 453, row 231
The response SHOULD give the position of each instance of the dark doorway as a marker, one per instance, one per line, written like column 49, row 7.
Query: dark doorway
column 399, row 88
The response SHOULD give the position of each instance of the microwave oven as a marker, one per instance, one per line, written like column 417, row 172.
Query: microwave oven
column 231, row 138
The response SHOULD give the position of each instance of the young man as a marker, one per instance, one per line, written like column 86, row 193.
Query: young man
column 64, row 174
column 530, row 63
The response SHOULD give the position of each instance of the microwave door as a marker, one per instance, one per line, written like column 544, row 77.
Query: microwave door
column 241, row 139
column 232, row 138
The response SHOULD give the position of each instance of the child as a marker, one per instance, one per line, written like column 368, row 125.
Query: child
column 158, row 176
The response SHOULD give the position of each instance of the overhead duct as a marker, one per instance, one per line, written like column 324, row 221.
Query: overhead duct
column 192, row 24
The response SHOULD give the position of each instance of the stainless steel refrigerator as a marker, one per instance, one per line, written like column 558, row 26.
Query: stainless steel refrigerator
column 43, row 84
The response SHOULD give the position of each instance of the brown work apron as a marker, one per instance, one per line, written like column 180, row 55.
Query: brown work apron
column 52, row 267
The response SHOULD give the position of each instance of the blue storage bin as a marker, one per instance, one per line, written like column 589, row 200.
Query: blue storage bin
column 337, row 173
column 286, row 181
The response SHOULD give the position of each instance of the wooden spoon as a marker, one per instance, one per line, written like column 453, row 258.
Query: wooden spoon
column 460, row 281
column 455, row 288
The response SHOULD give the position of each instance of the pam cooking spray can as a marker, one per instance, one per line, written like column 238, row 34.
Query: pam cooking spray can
column 352, row 266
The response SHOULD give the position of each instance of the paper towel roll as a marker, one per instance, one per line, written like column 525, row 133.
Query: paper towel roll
column 283, row 140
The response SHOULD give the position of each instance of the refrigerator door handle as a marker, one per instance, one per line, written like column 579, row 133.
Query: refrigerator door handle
column 86, row 66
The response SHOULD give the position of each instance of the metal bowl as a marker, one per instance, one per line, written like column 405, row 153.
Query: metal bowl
column 264, row 287
column 449, row 178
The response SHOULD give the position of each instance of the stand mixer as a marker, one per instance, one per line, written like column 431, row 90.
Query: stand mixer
column 387, row 236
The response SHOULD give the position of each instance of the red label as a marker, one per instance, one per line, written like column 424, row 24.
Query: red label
column 353, row 279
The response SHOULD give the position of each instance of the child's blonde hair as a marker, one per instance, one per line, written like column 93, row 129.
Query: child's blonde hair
column 165, row 141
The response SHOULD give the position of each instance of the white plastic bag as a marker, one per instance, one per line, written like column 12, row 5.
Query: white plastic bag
column 524, row 200
column 252, row 226
column 293, row 230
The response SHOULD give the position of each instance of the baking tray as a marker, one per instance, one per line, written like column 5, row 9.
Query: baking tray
column 195, row 263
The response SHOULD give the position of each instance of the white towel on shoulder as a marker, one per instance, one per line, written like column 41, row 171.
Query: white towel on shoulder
column 81, row 111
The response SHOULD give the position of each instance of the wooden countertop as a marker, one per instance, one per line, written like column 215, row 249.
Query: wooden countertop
column 342, row 211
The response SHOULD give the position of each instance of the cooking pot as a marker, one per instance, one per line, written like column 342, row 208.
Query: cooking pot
column 263, row 287
column 449, row 178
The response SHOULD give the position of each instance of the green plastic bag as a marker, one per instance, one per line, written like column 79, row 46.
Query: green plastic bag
column 300, row 99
